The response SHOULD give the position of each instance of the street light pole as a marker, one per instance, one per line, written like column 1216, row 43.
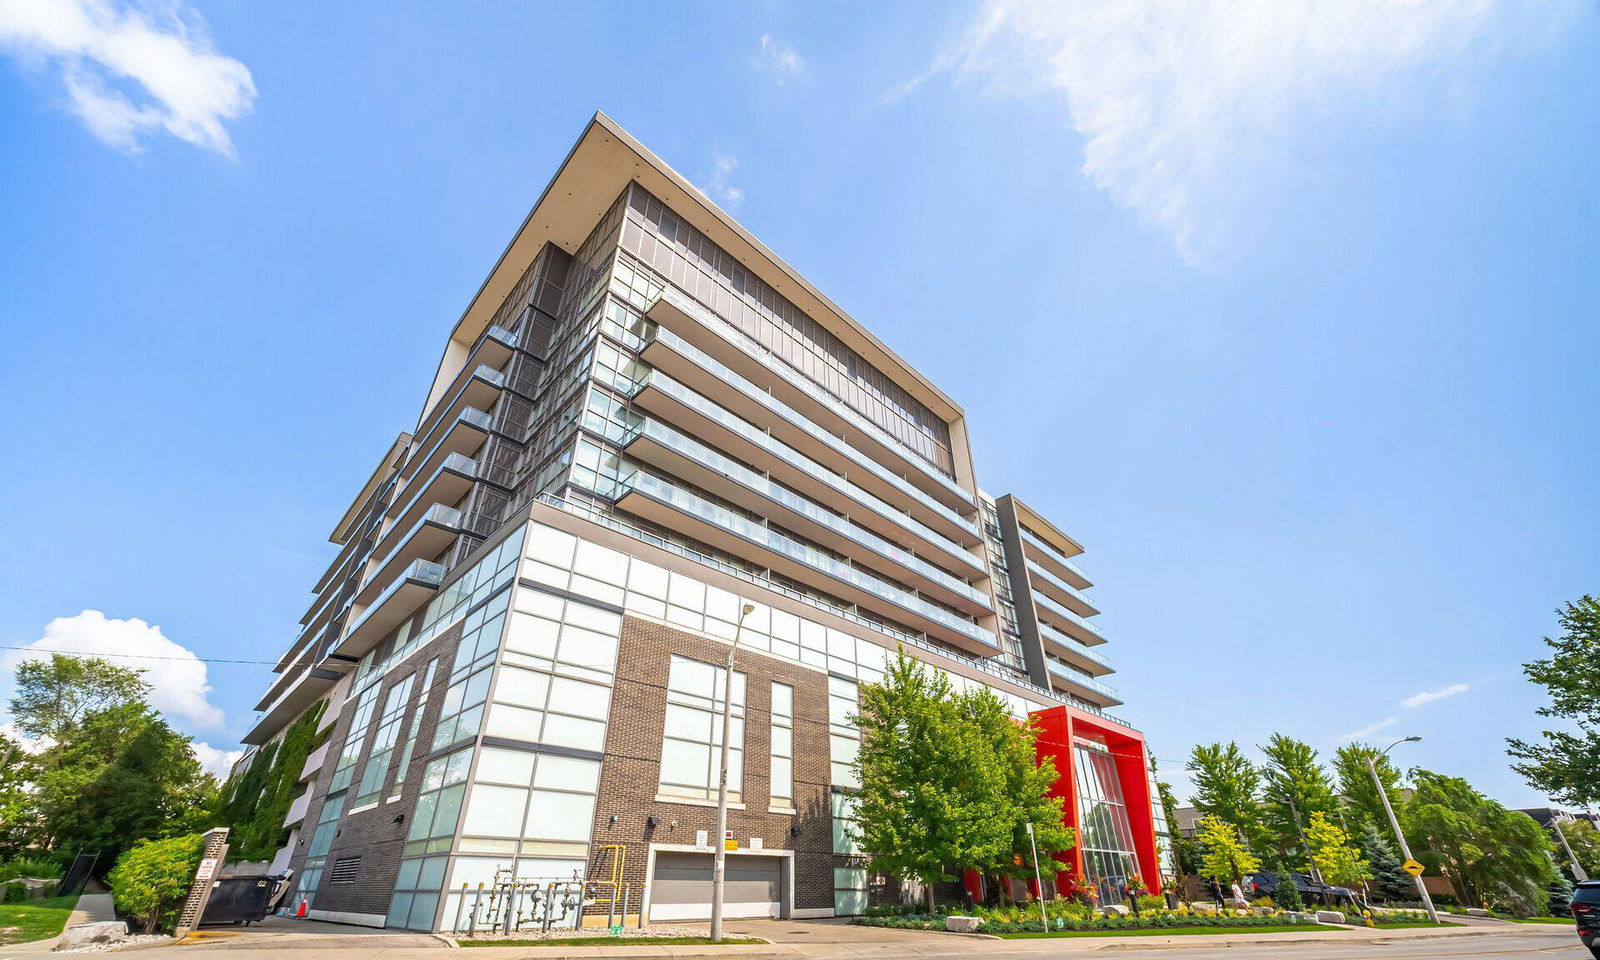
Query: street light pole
column 1037, row 879
column 719, row 856
column 1578, row 873
column 1405, row 849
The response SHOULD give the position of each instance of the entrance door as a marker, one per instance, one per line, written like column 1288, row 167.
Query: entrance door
column 681, row 886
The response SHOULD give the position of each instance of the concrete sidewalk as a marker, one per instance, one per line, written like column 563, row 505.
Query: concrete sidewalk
column 835, row 940
column 90, row 908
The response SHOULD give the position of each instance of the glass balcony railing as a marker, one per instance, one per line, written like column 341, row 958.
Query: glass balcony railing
column 438, row 515
column 1072, row 675
column 1052, row 552
column 722, row 372
column 1037, row 571
column 711, row 459
column 604, row 517
column 812, row 389
column 1072, row 643
column 662, row 491
column 1050, row 605
column 440, row 432
column 456, row 463
column 426, row 572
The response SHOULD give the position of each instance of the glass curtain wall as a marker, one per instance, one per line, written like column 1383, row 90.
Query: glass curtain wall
column 1107, row 838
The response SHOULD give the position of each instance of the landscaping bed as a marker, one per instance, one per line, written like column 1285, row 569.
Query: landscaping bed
column 603, row 941
column 1176, row 931
column 1080, row 924
column 29, row 920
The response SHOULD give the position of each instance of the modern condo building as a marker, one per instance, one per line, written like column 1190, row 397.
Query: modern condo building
column 643, row 423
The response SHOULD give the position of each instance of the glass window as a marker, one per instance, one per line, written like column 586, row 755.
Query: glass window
column 691, row 753
column 782, row 760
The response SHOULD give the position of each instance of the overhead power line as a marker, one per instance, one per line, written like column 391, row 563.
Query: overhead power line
column 134, row 656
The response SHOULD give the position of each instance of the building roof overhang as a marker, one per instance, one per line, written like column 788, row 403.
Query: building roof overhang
column 601, row 163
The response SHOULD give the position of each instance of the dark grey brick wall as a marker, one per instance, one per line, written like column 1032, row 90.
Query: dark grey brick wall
column 631, row 769
column 374, row 835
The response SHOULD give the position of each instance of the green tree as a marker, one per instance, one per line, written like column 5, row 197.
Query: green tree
column 1287, row 896
column 1025, row 798
column 54, row 697
column 151, row 881
column 1226, row 858
column 1491, row 855
column 121, row 776
column 1566, row 764
column 1294, row 784
column 1227, row 786
column 932, row 792
column 1584, row 840
column 1340, row 862
column 1363, row 805
column 18, row 823
column 1559, row 897
column 1389, row 881
column 1185, row 852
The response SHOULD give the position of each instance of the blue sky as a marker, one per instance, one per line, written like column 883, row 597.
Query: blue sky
column 1288, row 314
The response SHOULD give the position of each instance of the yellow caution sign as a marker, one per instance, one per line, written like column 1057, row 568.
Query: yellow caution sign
column 1412, row 867
column 730, row 844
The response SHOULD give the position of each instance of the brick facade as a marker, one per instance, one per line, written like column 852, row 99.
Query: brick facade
column 631, row 769
column 374, row 834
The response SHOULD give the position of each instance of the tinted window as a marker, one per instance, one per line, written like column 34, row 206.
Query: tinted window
column 1586, row 895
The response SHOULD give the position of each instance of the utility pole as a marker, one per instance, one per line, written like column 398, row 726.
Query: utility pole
column 719, row 857
column 1310, row 860
column 1038, row 880
column 1578, row 873
column 1405, row 848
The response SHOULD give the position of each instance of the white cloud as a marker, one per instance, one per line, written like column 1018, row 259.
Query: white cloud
column 129, row 68
column 1368, row 730
column 1428, row 696
column 176, row 676
column 216, row 762
column 717, row 186
column 781, row 59
column 1196, row 114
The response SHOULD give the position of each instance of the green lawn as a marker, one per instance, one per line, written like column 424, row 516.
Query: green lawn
column 606, row 942
column 1414, row 925
column 1171, row 932
column 1564, row 921
column 34, row 919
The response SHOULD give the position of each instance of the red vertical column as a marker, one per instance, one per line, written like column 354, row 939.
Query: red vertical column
column 1133, row 774
column 1055, row 742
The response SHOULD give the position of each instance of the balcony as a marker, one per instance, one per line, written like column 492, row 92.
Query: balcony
column 661, row 502
column 1041, row 553
column 696, row 372
column 1066, row 621
column 314, row 761
column 1059, row 590
column 673, row 402
column 297, row 809
column 303, row 687
column 478, row 383
column 397, row 601
column 609, row 519
column 447, row 484
column 694, row 323
column 661, row 446
column 436, row 529
column 1074, row 651
column 1100, row 694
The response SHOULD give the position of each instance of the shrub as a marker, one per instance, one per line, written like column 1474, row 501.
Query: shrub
column 14, row 891
column 150, row 881
column 37, row 867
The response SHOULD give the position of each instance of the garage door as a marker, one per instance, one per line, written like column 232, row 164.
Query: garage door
column 681, row 887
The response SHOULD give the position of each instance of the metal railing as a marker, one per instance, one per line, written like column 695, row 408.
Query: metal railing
column 606, row 519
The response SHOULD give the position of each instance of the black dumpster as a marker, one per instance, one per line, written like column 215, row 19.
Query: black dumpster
column 244, row 900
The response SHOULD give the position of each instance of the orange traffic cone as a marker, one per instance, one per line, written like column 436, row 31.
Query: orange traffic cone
column 302, row 911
